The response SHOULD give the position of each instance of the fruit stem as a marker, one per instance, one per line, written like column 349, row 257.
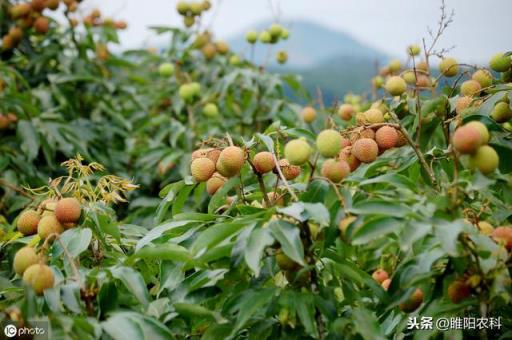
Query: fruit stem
column 287, row 185
column 15, row 188
column 261, row 184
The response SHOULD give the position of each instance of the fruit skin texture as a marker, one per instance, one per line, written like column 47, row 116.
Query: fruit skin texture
column 68, row 210
column 411, row 304
column 483, row 77
column 210, row 110
column 230, row 161
column 462, row 104
column 24, row 258
column 413, row 50
column 264, row 162
column 251, row 37
column 49, row 225
column 485, row 159
column 385, row 284
column 335, row 170
column 470, row 88
column 297, row 151
column 346, row 111
column 458, row 291
column 214, row 183
column 289, row 171
column 467, row 139
column 210, row 153
column 386, row 137
column 503, row 235
column 485, row 228
column 202, row 169
column 482, row 129
column 347, row 156
column 395, row 86
column 500, row 63
column 501, row 112
column 374, row 116
column 365, row 149
column 448, row 67
column 166, row 70
column 328, row 143
column 380, row 275
column 282, row 57
column 40, row 277
column 308, row 114
column 394, row 65
column 28, row 221
column 42, row 25
column 265, row 37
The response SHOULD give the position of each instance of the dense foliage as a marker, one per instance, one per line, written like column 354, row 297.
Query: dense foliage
column 179, row 193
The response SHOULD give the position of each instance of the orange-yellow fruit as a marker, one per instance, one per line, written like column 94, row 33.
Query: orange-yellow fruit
column 40, row 277
column 328, row 143
column 28, row 221
column 297, row 151
column 230, row 161
column 20, row 10
column 462, row 104
column 422, row 66
column 49, row 225
column 202, row 169
column 345, row 142
column 467, row 139
column 284, row 262
column 308, row 114
column 395, row 86
column 347, row 156
column 386, row 137
column 482, row 129
column 365, row 149
column 503, row 235
column 212, row 154
column 289, row 171
column 24, row 258
column 68, row 210
column 423, row 81
column 470, row 88
column 449, row 67
column 501, row 112
column 485, row 228
column 458, row 291
column 52, row 4
column 214, row 183
column 222, row 47
column 385, row 284
column 485, row 159
column 335, row 170
column 346, row 111
column 394, row 66
column 483, row 77
column 16, row 34
column 264, row 162
column 380, row 275
column 374, row 116
column 42, row 25
column 414, row 301
column 38, row 5
column 209, row 51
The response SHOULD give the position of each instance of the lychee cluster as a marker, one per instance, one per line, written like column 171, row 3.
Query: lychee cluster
column 208, row 47
column 7, row 120
column 95, row 19
column 30, row 266
column 191, row 10
column 271, row 35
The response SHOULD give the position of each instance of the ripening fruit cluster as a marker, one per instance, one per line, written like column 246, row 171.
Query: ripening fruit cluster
column 272, row 35
column 208, row 47
column 51, row 217
column 191, row 10
column 471, row 139
column 30, row 266
column 7, row 120
column 94, row 19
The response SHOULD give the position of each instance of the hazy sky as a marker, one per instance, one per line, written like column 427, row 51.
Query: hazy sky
column 480, row 28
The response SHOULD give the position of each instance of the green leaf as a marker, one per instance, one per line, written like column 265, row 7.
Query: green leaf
column 380, row 207
column 375, row 228
column 216, row 234
column 195, row 312
column 133, row 281
column 288, row 235
column 259, row 239
column 305, row 307
column 367, row 324
column 30, row 139
column 167, row 251
column 251, row 303
column 76, row 241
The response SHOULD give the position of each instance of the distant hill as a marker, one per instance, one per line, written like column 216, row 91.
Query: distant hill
column 331, row 60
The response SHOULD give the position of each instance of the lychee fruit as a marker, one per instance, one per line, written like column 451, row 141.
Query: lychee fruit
column 222, row 47
column 485, row 228
column 42, row 25
column 282, row 57
column 470, row 88
column 52, row 4
column 396, row 86
column 28, row 221
column 345, row 111
column 24, row 258
column 463, row 103
column 284, row 262
column 413, row 302
column 413, row 50
column 483, row 77
column 380, row 275
column 385, row 284
column 68, row 210
column 402, row 140
column 374, row 116
column 501, row 112
column 289, row 171
column 409, row 77
column 264, row 162
column 467, row 139
column 482, row 129
column 49, row 225
column 214, row 183
column 394, row 66
column 40, row 277
column 503, row 235
column 308, row 114
column 251, row 37
column 365, row 149
column 458, row 291
column 422, row 66
column 500, row 62
column 328, row 143
column 449, row 67
column 166, row 69
column 16, row 34
column 275, row 198
column 347, row 156
column 210, row 153
column 230, row 161
column 386, row 137
column 210, row 110
column 202, row 169
column 265, row 37
column 297, row 151
column 485, row 159
column 209, row 51
column 335, row 170
column 275, row 30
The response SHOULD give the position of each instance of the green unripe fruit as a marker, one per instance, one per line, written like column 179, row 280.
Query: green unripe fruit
column 28, row 221
column 166, row 70
column 230, row 161
column 501, row 112
column 189, row 21
column 251, row 37
column 482, row 129
column 202, row 169
column 470, row 88
column 24, row 258
column 186, row 92
column 235, row 60
column 209, row 51
column 275, row 30
column 49, row 225
column 413, row 50
column 500, row 62
column 285, row 34
column 282, row 57
column 374, row 116
column 196, row 8
column 335, row 170
column 395, row 86
column 297, row 151
column 485, row 159
column 40, row 277
column 449, row 67
column 409, row 77
column 394, row 66
column 483, row 77
column 265, row 37
column 329, row 143
column 378, row 81
column 263, row 162
column 284, row 262
column 182, row 7
column 206, row 5
column 210, row 110
column 196, row 88
column 222, row 47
